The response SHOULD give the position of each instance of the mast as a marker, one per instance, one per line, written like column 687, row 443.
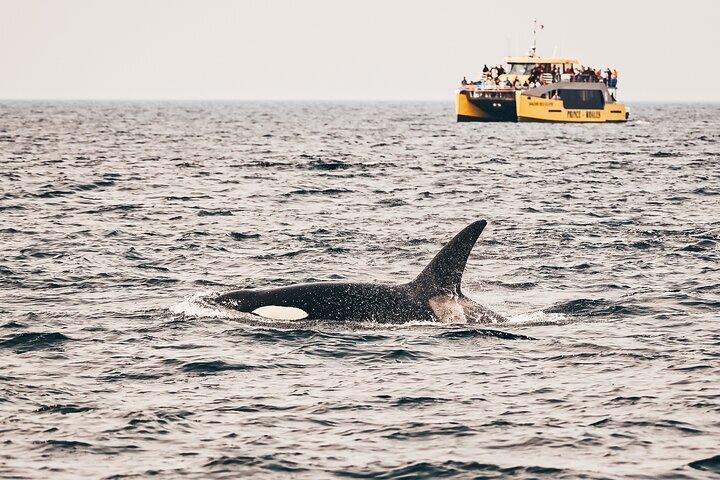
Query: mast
column 533, row 47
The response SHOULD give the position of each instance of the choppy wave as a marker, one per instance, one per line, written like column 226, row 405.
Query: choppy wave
column 27, row 341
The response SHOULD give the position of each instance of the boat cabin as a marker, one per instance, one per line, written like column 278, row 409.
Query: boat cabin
column 520, row 68
column 578, row 95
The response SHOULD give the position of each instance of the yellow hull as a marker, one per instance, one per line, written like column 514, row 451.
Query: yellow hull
column 536, row 109
column 467, row 112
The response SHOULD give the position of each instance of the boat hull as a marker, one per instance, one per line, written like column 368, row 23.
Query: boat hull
column 533, row 109
column 469, row 109
column 525, row 108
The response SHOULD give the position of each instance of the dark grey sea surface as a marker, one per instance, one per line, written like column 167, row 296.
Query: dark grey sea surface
column 119, row 222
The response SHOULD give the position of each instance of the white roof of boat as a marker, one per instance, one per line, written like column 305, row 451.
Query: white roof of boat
column 540, row 60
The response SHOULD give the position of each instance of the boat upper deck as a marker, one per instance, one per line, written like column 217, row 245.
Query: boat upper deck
column 498, row 83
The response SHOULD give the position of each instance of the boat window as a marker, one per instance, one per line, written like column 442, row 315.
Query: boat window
column 520, row 69
column 592, row 99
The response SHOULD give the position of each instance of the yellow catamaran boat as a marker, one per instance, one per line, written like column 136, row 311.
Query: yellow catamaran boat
column 540, row 89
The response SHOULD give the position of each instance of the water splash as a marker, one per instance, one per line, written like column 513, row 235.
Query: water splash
column 199, row 305
column 539, row 318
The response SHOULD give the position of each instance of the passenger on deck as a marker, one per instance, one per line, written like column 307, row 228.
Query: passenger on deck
column 555, row 73
column 464, row 81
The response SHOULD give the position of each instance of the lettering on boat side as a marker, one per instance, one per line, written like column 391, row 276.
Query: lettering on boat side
column 579, row 114
column 541, row 104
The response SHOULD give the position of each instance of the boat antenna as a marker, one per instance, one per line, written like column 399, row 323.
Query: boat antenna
column 533, row 47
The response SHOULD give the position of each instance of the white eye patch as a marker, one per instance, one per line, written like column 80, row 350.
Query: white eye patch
column 275, row 312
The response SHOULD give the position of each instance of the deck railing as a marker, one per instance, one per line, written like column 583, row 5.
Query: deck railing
column 483, row 85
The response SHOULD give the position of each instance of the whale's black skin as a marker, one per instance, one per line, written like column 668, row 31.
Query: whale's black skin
column 435, row 294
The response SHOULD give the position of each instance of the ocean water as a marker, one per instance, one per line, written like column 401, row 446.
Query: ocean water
column 120, row 222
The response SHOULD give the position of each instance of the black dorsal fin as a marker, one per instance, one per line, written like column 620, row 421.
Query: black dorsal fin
column 444, row 273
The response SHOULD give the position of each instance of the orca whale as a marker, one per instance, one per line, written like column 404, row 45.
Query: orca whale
column 434, row 295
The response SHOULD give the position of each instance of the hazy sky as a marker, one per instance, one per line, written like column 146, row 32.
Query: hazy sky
column 333, row 49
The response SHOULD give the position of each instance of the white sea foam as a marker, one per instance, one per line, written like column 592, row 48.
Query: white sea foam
column 196, row 305
column 538, row 318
